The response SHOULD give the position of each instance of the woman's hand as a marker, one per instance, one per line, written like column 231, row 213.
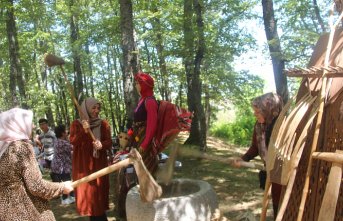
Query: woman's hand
column 135, row 155
column 141, row 150
column 67, row 187
column 236, row 162
column 85, row 125
column 97, row 145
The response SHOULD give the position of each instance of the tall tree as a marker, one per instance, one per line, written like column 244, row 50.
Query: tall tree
column 318, row 16
column 16, row 74
column 270, row 27
column 76, row 47
column 194, row 53
column 130, row 58
column 157, row 27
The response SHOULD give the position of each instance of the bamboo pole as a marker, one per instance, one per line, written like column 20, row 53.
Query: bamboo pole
column 319, row 118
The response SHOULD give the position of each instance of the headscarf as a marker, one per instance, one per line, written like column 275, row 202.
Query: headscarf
column 270, row 105
column 15, row 124
column 147, row 84
column 94, row 123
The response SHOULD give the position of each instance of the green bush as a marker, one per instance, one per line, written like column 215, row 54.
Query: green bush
column 239, row 132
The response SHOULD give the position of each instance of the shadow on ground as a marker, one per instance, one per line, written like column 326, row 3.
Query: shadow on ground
column 237, row 190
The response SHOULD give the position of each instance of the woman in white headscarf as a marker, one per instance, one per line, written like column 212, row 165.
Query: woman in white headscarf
column 91, row 198
column 24, row 194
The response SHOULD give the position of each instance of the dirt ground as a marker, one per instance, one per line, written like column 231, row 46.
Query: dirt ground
column 239, row 196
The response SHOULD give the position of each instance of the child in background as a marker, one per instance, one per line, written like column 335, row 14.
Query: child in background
column 61, row 163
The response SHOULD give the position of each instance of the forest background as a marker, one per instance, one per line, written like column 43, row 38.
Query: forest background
column 191, row 48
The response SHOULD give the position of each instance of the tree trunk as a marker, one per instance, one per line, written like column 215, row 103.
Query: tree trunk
column 118, row 93
column 207, row 107
column 48, row 110
column 90, row 68
column 58, row 107
column 130, row 58
column 278, row 62
column 198, row 129
column 64, row 103
column 74, row 36
column 16, row 75
column 110, row 91
column 198, row 8
column 319, row 18
column 166, row 94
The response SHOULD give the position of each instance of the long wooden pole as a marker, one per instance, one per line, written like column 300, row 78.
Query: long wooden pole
column 328, row 156
column 52, row 60
column 82, row 115
column 149, row 188
column 265, row 200
column 102, row 172
column 328, row 207
column 226, row 160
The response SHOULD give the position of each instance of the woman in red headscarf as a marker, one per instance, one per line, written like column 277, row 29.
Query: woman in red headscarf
column 145, row 121
column 143, row 131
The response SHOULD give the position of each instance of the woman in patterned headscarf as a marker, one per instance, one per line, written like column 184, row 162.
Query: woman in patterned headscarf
column 91, row 198
column 24, row 194
column 267, row 108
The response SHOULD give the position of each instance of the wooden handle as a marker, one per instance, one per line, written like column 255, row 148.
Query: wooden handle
column 329, row 156
column 226, row 160
column 102, row 172
column 265, row 201
column 82, row 115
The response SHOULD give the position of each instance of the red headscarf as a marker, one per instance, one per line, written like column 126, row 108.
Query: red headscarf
column 147, row 84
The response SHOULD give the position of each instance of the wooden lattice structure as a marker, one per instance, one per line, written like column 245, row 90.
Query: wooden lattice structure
column 331, row 128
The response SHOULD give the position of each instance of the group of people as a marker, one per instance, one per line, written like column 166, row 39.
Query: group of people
column 20, row 174
column 53, row 152
column 21, row 177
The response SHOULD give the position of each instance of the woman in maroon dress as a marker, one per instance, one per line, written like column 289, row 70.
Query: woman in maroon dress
column 92, row 197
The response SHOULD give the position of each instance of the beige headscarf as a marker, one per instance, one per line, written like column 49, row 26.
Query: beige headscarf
column 95, row 123
column 15, row 124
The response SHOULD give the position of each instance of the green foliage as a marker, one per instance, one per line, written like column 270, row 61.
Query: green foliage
column 300, row 28
column 44, row 26
column 239, row 132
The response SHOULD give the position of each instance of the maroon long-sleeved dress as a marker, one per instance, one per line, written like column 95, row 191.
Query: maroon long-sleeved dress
column 92, row 197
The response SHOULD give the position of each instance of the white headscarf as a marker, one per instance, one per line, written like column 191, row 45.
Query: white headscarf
column 15, row 124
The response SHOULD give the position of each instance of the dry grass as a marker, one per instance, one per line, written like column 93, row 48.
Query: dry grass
column 237, row 189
